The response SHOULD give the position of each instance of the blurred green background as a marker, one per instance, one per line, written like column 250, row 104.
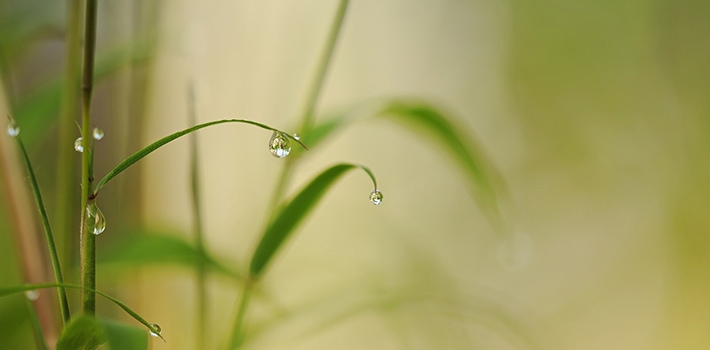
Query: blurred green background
column 595, row 113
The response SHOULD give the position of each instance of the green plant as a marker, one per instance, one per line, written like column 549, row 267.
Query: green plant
column 85, row 331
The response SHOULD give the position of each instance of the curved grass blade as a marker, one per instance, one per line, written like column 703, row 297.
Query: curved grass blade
column 157, row 144
column 157, row 249
column 23, row 288
column 419, row 116
column 54, row 256
column 294, row 212
column 82, row 333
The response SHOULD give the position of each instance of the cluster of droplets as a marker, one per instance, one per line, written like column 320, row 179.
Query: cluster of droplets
column 97, row 134
column 12, row 129
column 95, row 220
column 155, row 330
column 279, row 145
column 376, row 197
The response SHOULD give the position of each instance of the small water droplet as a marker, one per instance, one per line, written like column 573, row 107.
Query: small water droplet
column 297, row 136
column 78, row 146
column 95, row 220
column 155, row 332
column 279, row 145
column 376, row 197
column 32, row 295
column 12, row 128
column 98, row 134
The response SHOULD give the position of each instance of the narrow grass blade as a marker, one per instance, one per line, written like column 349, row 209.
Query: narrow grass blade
column 294, row 212
column 54, row 256
column 429, row 121
column 23, row 288
column 82, row 333
column 132, row 159
column 146, row 248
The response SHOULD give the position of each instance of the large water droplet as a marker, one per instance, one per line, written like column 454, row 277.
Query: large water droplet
column 12, row 128
column 155, row 332
column 95, row 220
column 296, row 136
column 376, row 197
column 98, row 134
column 32, row 295
column 78, row 146
column 279, row 145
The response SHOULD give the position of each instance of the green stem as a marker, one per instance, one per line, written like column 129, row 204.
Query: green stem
column 54, row 256
column 36, row 327
column 314, row 92
column 88, row 240
column 65, row 153
column 238, row 330
column 197, row 217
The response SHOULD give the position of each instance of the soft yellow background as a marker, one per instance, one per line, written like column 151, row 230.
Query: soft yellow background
column 595, row 113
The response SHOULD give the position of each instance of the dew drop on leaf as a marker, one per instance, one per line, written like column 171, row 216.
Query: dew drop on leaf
column 98, row 134
column 296, row 136
column 155, row 332
column 95, row 220
column 376, row 197
column 32, row 295
column 279, row 145
column 78, row 146
column 12, row 128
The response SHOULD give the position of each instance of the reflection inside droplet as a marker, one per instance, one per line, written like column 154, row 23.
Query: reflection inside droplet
column 376, row 197
column 95, row 220
column 78, row 146
column 98, row 134
column 296, row 136
column 12, row 128
column 279, row 145
column 155, row 332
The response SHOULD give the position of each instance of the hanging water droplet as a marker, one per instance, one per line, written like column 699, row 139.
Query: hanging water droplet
column 98, row 134
column 12, row 128
column 279, row 145
column 155, row 332
column 32, row 295
column 78, row 146
column 95, row 220
column 296, row 136
column 376, row 197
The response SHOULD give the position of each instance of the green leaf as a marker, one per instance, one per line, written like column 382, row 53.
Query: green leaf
column 132, row 159
column 146, row 248
column 435, row 126
column 82, row 333
column 23, row 288
column 294, row 212
column 121, row 336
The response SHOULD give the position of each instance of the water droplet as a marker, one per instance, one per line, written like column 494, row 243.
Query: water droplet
column 516, row 251
column 297, row 136
column 78, row 146
column 98, row 134
column 376, row 197
column 155, row 332
column 32, row 295
column 12, row 128
column 95, row 220
column 279, row 145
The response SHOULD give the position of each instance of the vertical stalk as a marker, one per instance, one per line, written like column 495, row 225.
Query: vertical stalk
column 36, row 326
column 197, row 224
column 307, row 120
column 65, row 153
column 88, row 240
column 314, row 92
